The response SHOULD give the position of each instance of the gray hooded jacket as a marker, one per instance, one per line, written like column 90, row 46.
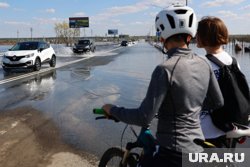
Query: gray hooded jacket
column 178, row 90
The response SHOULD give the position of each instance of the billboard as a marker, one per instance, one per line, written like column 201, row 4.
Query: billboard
column 78, row 22
column 113, row 32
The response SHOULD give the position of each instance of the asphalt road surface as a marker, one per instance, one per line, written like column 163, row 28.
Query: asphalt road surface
column 46, row 117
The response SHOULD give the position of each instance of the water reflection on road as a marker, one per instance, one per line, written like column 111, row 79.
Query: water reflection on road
column 123, row 82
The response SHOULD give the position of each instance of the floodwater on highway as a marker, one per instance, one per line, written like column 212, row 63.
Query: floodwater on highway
column 68, row 94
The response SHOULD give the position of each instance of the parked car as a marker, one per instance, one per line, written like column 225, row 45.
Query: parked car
column 124, row 43
column 29, row 55
column 84, row 45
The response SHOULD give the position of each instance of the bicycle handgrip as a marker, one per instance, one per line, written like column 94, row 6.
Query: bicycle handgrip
column 98, row 111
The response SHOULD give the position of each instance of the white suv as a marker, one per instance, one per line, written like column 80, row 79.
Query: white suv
column 29, row 55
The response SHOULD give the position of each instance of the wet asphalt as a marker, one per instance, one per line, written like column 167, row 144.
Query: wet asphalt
column 68, row 94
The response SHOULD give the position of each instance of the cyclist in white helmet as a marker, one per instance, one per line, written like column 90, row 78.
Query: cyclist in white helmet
column 177, row 23
column 177, row 91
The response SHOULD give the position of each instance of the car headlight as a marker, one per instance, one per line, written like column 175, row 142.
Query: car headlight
column 86, row 47
column 29, row 55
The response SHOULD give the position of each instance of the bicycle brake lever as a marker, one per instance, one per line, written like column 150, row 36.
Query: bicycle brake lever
column 110, row 117
column 101, row 117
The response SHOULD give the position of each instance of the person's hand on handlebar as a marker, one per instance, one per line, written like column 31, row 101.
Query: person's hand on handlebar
column 107, row 108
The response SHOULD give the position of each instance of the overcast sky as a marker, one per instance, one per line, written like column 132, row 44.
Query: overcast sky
column 133, row 17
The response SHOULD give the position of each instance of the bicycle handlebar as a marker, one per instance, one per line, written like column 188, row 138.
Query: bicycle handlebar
column 100, row 111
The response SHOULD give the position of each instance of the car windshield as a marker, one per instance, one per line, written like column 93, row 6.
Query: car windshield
column 83, row 42
column 25, row 46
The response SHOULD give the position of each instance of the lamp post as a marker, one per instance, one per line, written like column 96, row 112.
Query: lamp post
column 31, row 30
column 17, row 34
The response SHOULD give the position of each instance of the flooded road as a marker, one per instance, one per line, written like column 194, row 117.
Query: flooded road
column 67, row 95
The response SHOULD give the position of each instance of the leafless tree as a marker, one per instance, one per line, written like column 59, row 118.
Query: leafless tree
column 65, row 34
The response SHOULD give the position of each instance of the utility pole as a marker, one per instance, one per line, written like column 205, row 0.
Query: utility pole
column 17, row 35
column 31, row 30
column 186, row 2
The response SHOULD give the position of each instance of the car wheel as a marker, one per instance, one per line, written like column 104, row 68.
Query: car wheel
column 52, row 62
column 37, row 65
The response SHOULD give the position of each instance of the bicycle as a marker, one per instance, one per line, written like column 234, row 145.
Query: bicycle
column 237, row 135
column 146, row 141
column 119, row 157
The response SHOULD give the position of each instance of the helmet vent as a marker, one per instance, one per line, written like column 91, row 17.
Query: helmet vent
column 190, row 20
column 180, row 11
column 171, row 21
column 157, row 18
column 162, row 27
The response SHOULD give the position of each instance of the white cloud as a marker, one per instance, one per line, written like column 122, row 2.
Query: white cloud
column 17, row 23
column 111, row 22
column 165, row 3
column 121, row 10
column 138, row 23
column 109, row 16
column 143, row 5
column 48, row 20
column 80, row 14
column 153, row 14
column 116, row 21
column 247, row 7
column 50, row 10
column 227, row 14
column 246, row 16
column 221, row 3
column 4, row 5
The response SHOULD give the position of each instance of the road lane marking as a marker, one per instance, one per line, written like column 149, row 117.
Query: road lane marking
column 50, row 68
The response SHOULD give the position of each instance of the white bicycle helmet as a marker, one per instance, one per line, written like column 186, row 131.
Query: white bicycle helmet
column 176, row 19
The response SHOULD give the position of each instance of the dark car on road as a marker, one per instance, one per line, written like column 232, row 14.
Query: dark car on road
column 84, row 45
column 124, row 43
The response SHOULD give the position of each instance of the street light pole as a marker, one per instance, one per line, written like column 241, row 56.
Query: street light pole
column 31, row 30
column 17, row 33
column 186, row 2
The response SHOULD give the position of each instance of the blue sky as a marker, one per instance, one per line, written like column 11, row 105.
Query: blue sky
column 133, row 17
